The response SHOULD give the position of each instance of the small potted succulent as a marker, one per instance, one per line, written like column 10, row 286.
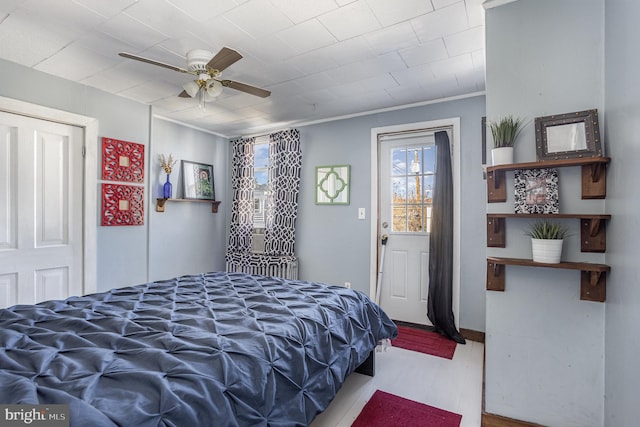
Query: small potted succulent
column 504, row 131
column 546, row 241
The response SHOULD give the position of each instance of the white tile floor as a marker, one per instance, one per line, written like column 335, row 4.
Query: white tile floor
column 454, row 385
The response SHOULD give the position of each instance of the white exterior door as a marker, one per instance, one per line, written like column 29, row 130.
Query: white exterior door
column 406, row 174
column 41, row 221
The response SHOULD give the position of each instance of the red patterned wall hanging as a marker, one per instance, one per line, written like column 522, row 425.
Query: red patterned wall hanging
column 122, row 161
column 122, row 204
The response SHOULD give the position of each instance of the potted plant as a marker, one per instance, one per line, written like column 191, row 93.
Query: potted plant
column 504, row 132
column 546, row 241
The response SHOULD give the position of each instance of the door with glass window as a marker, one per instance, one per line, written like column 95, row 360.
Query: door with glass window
column 407, row 175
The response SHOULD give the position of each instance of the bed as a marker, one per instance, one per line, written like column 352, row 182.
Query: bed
column 222, row 349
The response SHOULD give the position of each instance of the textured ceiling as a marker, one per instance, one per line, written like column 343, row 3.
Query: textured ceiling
column 319, row 58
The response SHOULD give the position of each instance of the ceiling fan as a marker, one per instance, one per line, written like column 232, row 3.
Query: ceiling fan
column 208, row 83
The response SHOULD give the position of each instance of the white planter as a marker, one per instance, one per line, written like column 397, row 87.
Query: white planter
column 502, row 156
column 547, row 251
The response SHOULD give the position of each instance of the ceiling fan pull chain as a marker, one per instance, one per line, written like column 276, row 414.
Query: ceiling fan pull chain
column 202, row 104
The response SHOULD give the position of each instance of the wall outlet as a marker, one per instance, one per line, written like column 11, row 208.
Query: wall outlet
column 347, row 285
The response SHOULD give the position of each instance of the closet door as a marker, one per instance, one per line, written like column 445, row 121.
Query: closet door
column 41, row 218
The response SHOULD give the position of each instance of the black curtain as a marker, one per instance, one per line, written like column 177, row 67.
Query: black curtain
column 439, row 304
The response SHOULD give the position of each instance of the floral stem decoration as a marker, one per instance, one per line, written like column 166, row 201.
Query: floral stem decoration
column 167, row 163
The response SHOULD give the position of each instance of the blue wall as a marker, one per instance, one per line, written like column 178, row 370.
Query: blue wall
column 622, row 132
column 544, row 346
column 334, row 246
column 187, row 238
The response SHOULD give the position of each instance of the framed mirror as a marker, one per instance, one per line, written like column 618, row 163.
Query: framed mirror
column 567, row 136
column 332, row 185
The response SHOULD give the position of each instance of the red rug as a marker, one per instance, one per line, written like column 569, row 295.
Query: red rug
column 426, row 342
column 388, row 410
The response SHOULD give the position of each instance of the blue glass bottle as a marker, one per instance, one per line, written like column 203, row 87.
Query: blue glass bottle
column 166, row 189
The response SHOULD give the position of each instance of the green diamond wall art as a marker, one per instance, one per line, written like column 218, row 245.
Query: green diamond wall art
column 332, row 185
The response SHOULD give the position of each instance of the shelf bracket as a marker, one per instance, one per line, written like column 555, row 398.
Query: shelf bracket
column 594, row 228
column 593, row 236
column 593, row 286
column 594, row 181
column 497, row 191
column 160, row 205
column 496, row 232
column 594, row 277
column 596, row 171
column 495, row 276
column 496, row 225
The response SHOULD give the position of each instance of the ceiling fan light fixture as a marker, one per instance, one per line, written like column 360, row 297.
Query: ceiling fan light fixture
column 214, row 88
column 207, row 71
column 191, row 88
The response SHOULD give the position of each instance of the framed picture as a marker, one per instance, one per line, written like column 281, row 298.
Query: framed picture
column 332, row 185
column 567, row 136
column 197, row 181
column 536, row 191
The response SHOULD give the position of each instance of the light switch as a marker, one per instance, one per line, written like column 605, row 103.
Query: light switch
column 361, row 213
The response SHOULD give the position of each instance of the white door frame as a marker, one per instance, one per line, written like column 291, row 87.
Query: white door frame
column 90, row 186
column 454, row 123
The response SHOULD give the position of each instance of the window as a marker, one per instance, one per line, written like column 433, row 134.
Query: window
column 261, row 179
column 412, row 180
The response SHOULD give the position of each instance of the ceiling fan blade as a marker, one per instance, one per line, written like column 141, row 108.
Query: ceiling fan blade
column 223, row 59
column 152, row 62
column 184, row 94
column 262, row 93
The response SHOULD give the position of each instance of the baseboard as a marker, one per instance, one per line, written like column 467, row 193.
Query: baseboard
column 471, row 335
column 491, row 420
column 412, row 325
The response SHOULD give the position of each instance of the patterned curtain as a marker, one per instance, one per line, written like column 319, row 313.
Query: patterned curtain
column 285, row 162
column 241, row 227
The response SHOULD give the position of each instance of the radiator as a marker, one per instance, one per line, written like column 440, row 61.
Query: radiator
column 285, row 267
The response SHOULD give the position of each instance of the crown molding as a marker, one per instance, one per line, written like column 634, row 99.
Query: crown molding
column 490, row 4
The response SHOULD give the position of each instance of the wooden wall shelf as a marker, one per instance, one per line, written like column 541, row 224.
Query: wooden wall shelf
column 593, row 277
column 594, row 180
column 593, row 237
column 160, row 202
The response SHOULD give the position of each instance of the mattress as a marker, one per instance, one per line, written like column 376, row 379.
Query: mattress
column 219, row 349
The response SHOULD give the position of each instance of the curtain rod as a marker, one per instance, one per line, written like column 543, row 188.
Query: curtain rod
column 414, row 131
column 258, row 135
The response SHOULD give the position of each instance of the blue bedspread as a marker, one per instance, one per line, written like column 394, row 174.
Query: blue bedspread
column 217, row 349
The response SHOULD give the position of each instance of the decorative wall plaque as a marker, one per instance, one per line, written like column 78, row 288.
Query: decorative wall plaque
column 122, row 161
column 122, row 205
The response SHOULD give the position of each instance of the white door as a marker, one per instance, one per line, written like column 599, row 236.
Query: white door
column 406, row 179
column 41, row 220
